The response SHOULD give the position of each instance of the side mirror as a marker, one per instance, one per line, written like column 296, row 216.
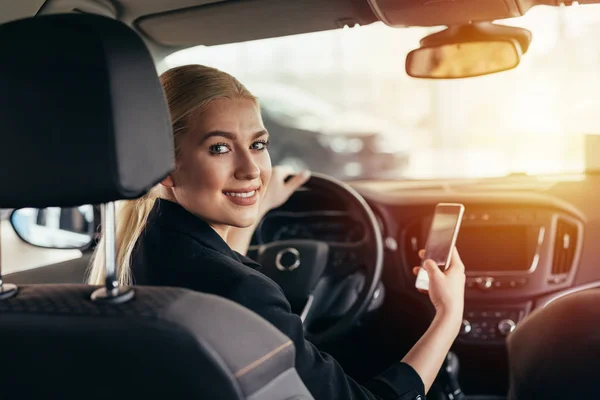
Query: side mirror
column 55, row 227
column 468, row 51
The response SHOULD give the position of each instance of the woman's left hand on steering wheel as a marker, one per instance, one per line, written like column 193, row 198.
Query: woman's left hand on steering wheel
column 280, row 188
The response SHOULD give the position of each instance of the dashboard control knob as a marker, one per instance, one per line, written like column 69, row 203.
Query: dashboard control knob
column 485, row 283
column 465, row 328
column 506, row 326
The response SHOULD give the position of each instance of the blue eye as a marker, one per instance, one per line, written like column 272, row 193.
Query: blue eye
column 260, row 145
column 219, row 148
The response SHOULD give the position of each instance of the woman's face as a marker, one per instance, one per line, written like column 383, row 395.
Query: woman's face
column 223, row 166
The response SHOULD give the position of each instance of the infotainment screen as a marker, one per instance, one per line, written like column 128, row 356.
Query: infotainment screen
column 494, row 248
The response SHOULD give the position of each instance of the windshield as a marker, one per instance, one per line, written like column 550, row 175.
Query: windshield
column 340, row 102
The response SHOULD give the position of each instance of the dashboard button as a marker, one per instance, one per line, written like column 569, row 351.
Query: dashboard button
column 506, row 326
column 557, row 279
column 466, row 327
column 486, row 283
column 391, row 244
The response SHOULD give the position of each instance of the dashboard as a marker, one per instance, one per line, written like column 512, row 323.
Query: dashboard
column 518, row 247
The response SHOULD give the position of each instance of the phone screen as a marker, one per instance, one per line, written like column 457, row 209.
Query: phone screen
column 441, row 239
column 441, row 235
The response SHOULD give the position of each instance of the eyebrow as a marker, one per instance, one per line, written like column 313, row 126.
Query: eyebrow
column 231, row 136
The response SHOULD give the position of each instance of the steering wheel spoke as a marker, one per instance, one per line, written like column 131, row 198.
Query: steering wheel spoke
column 315, row 304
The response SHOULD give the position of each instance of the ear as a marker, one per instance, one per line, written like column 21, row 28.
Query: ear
column 168, row 182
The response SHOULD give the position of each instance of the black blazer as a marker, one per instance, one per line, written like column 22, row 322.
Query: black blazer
column 179, row 249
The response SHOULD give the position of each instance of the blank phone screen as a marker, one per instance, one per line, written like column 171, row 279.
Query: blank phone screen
column 442, row 229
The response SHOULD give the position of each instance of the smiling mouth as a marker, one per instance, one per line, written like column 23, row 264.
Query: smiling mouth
column 240, row 194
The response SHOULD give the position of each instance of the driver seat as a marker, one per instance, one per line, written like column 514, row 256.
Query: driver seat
column 84, row 120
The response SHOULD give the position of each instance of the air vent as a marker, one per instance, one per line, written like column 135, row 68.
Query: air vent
column 565, row 245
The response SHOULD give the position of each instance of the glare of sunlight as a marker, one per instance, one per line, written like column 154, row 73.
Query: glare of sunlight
column 531, row 119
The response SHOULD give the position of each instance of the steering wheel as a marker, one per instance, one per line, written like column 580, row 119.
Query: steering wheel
column 324, row 279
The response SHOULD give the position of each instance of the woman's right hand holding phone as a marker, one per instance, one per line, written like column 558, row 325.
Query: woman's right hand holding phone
column 447, row 292
column 446, row 288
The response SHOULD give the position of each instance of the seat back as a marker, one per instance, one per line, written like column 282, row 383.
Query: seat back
column 167, row 342
column 83, row 120
column 554, row 353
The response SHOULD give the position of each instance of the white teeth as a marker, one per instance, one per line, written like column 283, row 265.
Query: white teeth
column 247, row 194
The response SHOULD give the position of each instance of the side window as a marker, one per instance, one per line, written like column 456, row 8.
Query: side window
column 36, row 238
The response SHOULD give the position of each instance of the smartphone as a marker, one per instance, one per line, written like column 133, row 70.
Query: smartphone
column 441, row 239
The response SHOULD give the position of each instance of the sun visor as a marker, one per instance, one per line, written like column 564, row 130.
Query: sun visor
column 83, row 118
column 241, row 21
column 432, row 13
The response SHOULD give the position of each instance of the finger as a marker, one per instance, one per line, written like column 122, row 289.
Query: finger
column 456, row 255
column 433, row 271
column 456, row 263
column 283, row 171
column 415, row 270
column 422, row 254
column 298, row 180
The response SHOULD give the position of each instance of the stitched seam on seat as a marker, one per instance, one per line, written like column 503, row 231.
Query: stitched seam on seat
column 261, row 360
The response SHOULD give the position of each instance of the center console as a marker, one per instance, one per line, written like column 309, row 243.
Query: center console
column 491, row 324
column 511, row 255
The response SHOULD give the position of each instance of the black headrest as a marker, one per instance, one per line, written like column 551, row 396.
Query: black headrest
column 83, row 117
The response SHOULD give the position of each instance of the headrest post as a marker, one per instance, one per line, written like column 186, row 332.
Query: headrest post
column 7, row 290
column 111, row 292
column 110, row 244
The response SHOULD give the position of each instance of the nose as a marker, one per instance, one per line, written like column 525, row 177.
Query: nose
column 246, row 167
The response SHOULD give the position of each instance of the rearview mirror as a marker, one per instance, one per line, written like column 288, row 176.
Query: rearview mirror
column 55, row 227
column 467, row 51
column 461, row 60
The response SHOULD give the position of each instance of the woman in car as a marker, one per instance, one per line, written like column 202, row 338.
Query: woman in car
column 184, row 232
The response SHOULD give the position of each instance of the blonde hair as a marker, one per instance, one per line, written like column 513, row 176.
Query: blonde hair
column 188, row 88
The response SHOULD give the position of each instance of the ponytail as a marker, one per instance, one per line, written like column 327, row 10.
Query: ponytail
column 132, row 216
column 188, row 88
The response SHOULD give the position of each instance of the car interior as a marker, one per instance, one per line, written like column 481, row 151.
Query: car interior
column 81, row 100
column 181, row 341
